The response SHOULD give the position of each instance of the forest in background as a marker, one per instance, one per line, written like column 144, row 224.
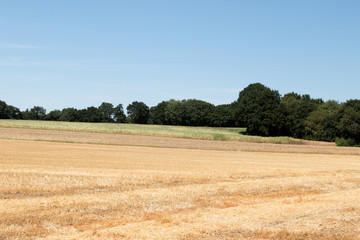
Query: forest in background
column 263, row 111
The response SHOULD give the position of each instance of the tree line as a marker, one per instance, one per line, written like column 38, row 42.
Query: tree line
column 261, row 110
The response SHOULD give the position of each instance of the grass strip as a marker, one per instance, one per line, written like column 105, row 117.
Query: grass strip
column 205, row 133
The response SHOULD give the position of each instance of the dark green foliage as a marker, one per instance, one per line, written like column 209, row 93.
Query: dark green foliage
column 190, row 112
column 9, row 112
column 321, row 123
column 3, row 110
column 196, row 112
column 174, row 112
column 138, row 112
column 297, row 109
column 315, row 123
column 53, row 115
column 14, row 112
column 349, row 123
column 345, row 142
column 70, row 115
column 258, row 107
column 119, row 115
column 90, row 114
column 157, row 114
column 223, row 116
column 330, row 128
column 35, row 113
column 105, row 112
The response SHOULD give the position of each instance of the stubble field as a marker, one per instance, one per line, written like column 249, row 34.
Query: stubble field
column 68, row 185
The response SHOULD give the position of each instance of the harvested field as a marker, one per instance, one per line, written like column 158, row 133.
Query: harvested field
column 186, row 189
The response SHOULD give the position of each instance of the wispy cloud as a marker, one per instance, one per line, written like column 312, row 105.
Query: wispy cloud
column 86, row 65
column 20, row 46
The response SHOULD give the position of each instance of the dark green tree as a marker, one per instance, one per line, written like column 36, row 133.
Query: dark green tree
column 90, row 114
column 297, row 109
column 321, row 123
column 3, row 110
column 14, row 112
column 190, row 112
column 157, row 114
column 9, row 112
column 53, row 115
column 35, row 113
column 330, row 128
column 223, row 116
column 174, row 112
column 138, row 112
column 349, row 124
column 70, row 115
column 119, row 115
column 106, row 112
column 196, row 112
column 258, row 107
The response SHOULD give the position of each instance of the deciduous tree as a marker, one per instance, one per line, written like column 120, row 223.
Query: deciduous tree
column 258, row 107
column 138, row 112
column 106, row 112
column 119, row 115
column 349, row 124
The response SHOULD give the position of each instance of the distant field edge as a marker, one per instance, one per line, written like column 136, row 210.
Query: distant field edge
column 203, row 133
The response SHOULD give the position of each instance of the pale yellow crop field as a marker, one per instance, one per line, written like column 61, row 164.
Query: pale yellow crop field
column 55, row 190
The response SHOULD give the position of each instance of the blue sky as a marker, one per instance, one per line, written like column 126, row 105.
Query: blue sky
column 59, row 54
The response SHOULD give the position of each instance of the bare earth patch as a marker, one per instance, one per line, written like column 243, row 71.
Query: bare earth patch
column 164, row 188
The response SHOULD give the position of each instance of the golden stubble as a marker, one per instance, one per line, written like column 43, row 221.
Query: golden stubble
column 54, row 190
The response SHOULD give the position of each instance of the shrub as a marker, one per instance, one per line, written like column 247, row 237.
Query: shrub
column 346, row 142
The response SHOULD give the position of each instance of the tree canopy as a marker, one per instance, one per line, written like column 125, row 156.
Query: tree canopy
column 349, row 123
column 138, row 112
column 259, row 109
